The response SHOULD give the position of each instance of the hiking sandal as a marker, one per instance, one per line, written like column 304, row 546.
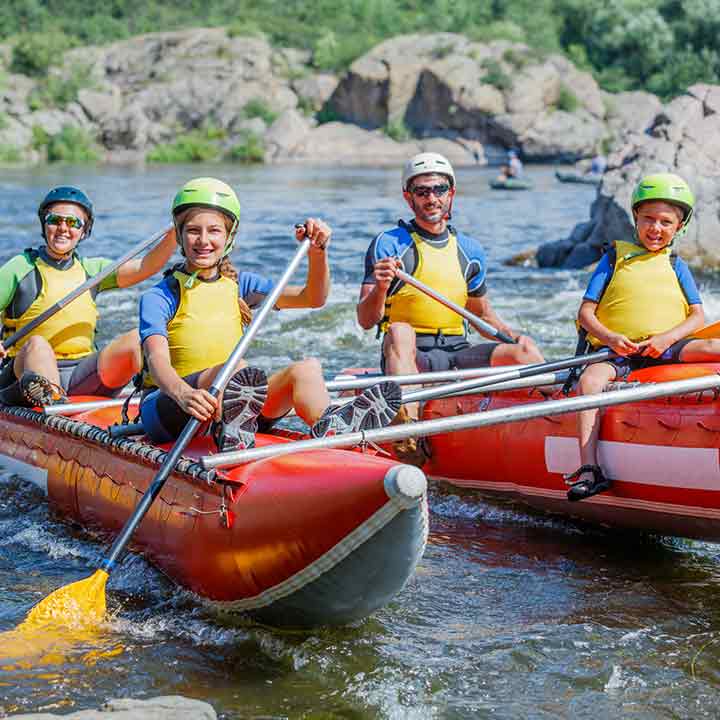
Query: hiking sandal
column 582, row 489
column 39, row 391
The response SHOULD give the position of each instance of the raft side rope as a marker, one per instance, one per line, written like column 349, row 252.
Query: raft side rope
column 148, row 454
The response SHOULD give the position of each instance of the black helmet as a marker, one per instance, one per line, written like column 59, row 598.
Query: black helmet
column 67, row 193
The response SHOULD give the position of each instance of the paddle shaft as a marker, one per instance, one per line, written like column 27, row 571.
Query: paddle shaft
column 89, row 284
column 474, row 384
column 193, row 424
column 425, row 428
column 486, row 327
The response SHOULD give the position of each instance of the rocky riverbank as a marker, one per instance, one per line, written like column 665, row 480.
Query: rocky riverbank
column 212, row 95
column 683, row 137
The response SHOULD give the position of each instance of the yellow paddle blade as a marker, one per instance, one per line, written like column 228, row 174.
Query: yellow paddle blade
column 58, row 626
column 79, row 605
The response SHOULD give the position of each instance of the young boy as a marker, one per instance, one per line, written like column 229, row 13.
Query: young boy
column 642, row 302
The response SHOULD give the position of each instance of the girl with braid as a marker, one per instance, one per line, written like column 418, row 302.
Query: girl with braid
column 193, row 319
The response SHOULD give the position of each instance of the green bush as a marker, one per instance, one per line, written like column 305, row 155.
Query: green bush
column 71, row 145
column 245, row 28
column 398, row 131
column 258, row 108
column 194, row 146
column 495, row 75
column 567, row 100
column 249, row 150
column 4, row 121
column 57, row 90
column 35, row 53
column 9, row 154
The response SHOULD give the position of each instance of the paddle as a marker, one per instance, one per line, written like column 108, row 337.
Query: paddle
column 525, row 371
column 463, row 312
column 648, row 391
column 89, row 284
column 87, row 597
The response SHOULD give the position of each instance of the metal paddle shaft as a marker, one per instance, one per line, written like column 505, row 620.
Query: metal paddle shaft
column 486, row 327
column 530, row 411
column 523, row 372
column 193, row 424
column 89, row 284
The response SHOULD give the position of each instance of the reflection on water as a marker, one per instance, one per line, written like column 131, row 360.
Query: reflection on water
column 512, row 613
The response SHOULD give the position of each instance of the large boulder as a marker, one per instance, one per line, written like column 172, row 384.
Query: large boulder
column 684, row 138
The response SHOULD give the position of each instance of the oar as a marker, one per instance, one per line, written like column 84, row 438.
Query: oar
column 89, row 284
column 647, row 391
column 463, row 312
column 527, row 371
column 87, row 597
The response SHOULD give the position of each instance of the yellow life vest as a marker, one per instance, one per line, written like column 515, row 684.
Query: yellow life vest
column 70, row 331
column 644, row 297
column 206, row 326
column 439, row 268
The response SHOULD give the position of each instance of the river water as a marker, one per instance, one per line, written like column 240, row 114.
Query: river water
column 512, row 614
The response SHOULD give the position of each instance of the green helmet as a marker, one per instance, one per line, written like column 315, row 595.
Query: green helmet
column 212, row 194
column 668, row 188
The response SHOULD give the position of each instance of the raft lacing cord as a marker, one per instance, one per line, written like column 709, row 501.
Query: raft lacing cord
column 120, row 446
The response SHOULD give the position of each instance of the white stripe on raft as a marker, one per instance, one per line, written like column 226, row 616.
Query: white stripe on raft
column 680, row 467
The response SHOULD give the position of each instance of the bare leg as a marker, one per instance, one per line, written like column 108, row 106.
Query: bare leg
column 701, row 351
column 300, row 386
column 593, row 380
column 524, row 353
column 120, row 360
column 399, row 351
column 37, row 356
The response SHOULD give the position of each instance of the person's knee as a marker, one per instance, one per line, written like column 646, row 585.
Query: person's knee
column 400, row 339
column 591, row 382
column 306, row 370
column 37, row 345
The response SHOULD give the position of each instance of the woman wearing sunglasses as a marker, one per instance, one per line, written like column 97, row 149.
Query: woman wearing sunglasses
column 60, row 356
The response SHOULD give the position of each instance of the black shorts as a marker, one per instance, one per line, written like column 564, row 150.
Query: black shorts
column 625, row 365
column 440, row 352
column 77, row 377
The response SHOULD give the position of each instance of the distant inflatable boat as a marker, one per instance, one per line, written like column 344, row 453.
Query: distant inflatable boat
column 317, row 538
column 510, row 184
column 575, row 177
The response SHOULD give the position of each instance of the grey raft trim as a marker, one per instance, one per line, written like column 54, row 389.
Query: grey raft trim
column 146, row 453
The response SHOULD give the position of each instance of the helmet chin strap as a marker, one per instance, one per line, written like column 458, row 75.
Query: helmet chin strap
column 228, row 249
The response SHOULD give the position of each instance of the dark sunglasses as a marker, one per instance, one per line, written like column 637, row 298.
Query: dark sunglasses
column 427, row 190
column 72, row 221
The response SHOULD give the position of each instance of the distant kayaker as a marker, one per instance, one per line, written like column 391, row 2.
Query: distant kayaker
column 514, row 164
column 192, row 320
column 643, row 303
column 420, row 334
column 60, row 356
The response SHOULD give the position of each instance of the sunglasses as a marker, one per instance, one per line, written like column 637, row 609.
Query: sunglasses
column 427, row 190
column 72, row 221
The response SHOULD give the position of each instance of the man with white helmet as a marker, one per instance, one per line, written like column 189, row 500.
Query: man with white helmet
column 420, row 334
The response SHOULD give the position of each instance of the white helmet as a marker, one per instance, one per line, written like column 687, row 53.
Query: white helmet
column 425, row 163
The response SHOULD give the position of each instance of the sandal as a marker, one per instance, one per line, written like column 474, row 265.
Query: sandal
column 412, row 451
column 38, row 391
column 583, row 489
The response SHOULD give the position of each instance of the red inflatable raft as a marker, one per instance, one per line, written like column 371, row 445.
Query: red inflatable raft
column 316, row 538
column 663, row 456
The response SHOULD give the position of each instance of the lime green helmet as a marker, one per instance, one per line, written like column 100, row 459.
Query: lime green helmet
column 212, row 194
column 668, row 188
